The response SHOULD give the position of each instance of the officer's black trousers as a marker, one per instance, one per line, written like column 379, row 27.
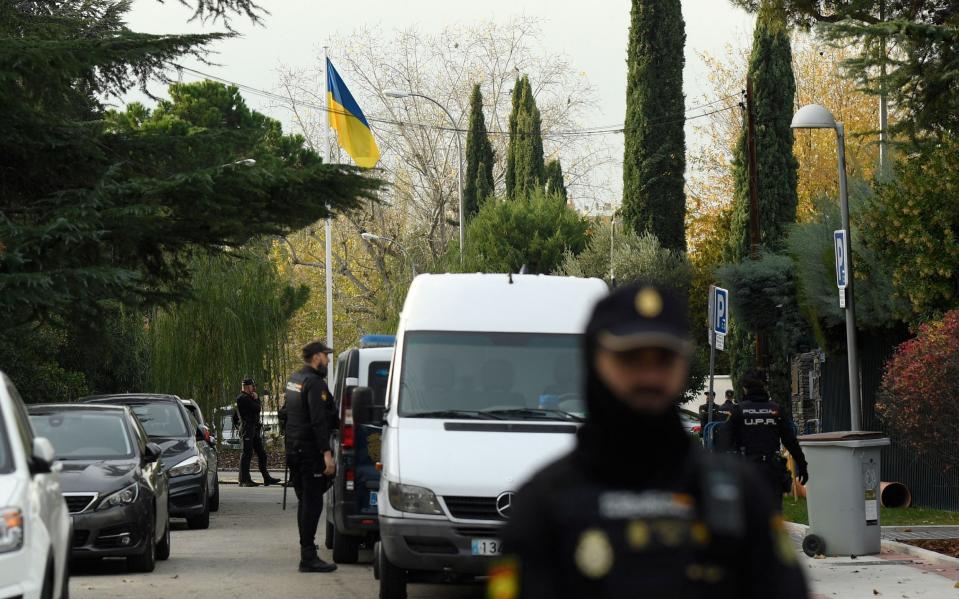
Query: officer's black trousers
column 309, row 483
column 253, row 443
column 771, row 473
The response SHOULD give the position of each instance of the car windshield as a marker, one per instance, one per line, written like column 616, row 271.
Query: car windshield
column 525, row 376
column 78, row 435
column 160, row 419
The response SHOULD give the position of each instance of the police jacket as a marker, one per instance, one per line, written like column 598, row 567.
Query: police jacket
column 636, row 511
column 248, row 408
column 309, row 414
column 758, row 426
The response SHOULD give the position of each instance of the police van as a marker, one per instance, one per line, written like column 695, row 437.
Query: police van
column 485, row 389
column 351, row 503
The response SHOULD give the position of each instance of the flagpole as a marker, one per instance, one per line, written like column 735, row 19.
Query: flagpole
column 329, row 228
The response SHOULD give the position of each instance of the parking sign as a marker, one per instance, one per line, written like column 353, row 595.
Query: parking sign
column 842, row 258
column 721, row 303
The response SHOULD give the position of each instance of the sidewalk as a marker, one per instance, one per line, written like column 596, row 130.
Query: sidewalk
column 900, row 571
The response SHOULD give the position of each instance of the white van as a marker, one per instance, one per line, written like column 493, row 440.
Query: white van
column 484, row 390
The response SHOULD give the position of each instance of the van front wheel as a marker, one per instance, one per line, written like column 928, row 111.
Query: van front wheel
column 392, row 578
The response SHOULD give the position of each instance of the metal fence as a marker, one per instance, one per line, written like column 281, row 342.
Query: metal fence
column 931, row 486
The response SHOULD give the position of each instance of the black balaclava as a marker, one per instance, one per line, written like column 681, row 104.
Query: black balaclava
column 619, row 445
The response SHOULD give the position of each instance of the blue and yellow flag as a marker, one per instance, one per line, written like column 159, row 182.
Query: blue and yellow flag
column 352, row 130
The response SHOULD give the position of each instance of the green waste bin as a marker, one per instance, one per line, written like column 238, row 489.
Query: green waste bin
column 843, row 492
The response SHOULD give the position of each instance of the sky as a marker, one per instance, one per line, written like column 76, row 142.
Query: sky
column 592, row 34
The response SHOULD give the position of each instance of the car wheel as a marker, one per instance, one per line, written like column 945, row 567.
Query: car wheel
column 215, row 498
column 346, row 549
column 49, row 580
column 328, row 539
column 65, row 585
column 392, row 578
column 163, row 547
column 201, row 522
column 146, row 561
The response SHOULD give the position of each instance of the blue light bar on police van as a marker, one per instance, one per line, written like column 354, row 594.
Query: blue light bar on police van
column 367, row 341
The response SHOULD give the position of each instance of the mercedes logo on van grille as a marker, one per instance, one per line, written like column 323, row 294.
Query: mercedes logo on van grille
column 504, row 504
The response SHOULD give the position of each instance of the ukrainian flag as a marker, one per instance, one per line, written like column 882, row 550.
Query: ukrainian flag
column 352, row 130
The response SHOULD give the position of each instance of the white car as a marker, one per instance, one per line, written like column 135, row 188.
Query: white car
column 34, row 521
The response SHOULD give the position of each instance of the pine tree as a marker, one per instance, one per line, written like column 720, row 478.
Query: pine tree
column 774, row 88
column 479, row 157
column 93, row 211
column 654, row 164
column 555, row 184
column 525, row 167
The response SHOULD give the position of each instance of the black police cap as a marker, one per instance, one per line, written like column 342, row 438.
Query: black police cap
column 248, row 381
column 641, row 315
column 313, row 348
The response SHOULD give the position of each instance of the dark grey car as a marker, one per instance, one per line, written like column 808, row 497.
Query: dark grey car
column 167, row 422
column 112, row 481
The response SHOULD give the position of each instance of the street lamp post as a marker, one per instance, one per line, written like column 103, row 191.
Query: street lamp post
column 459, row 150
column 814, row 116
column 373, row 237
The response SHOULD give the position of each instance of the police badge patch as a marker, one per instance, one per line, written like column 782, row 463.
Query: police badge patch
column 594, row 554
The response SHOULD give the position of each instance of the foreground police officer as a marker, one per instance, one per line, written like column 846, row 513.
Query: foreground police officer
column 636, row 510
column 757, row 427
column 248, row 408
column 309, row 422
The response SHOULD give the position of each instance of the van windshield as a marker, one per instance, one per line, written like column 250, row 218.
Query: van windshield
column 524, row 376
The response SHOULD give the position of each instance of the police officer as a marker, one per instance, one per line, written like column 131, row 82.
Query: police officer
column 251, row 431
column 310, row 421
column 636, row 510
column 757, row 427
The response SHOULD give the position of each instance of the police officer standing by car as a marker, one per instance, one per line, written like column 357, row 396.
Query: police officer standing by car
column 310, row 419
column 757, row 427
column 636, row 510
column 251, row 431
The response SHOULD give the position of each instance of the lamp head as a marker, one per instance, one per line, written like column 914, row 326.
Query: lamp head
column 396, row 94
column 813, row 116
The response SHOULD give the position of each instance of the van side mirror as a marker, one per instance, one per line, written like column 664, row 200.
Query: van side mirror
column 41, row 462
column 153, row 453
column 364, row 410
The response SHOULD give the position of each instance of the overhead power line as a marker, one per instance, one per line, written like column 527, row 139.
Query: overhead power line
column 584, row 132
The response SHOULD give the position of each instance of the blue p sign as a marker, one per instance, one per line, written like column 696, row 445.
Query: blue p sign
column 721, row 302
column 842, row 258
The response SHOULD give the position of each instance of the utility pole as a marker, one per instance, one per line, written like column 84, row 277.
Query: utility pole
column 883, row 103
column 753, row 192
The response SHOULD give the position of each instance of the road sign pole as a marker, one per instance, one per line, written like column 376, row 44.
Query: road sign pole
column 712, row 354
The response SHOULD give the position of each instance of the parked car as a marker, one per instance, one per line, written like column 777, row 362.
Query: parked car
column 481, row 395
column 34, row 521
column 208, row 447
column 351, row 503
column 115, row 488
column 167, row 423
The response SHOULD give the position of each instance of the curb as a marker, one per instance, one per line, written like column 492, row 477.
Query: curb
column 896, row 547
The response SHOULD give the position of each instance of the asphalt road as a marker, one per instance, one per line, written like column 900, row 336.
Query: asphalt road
column 250, row 550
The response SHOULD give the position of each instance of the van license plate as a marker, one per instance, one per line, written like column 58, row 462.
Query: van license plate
column 373, row 499
column 487, row 547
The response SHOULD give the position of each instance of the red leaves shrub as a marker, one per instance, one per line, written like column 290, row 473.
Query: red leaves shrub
column 919, row 397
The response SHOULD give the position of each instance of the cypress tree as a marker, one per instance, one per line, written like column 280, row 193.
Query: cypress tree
column 654, row 164
column 774, row 89
column 555, row 184
column 525, row 167
column 479, row 157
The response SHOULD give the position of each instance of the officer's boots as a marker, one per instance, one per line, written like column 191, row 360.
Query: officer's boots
column 311, row 562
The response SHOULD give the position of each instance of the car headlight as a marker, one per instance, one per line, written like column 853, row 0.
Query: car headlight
column 124, row 496
column 192, row 465
column 415, row 500
column 11, row 529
